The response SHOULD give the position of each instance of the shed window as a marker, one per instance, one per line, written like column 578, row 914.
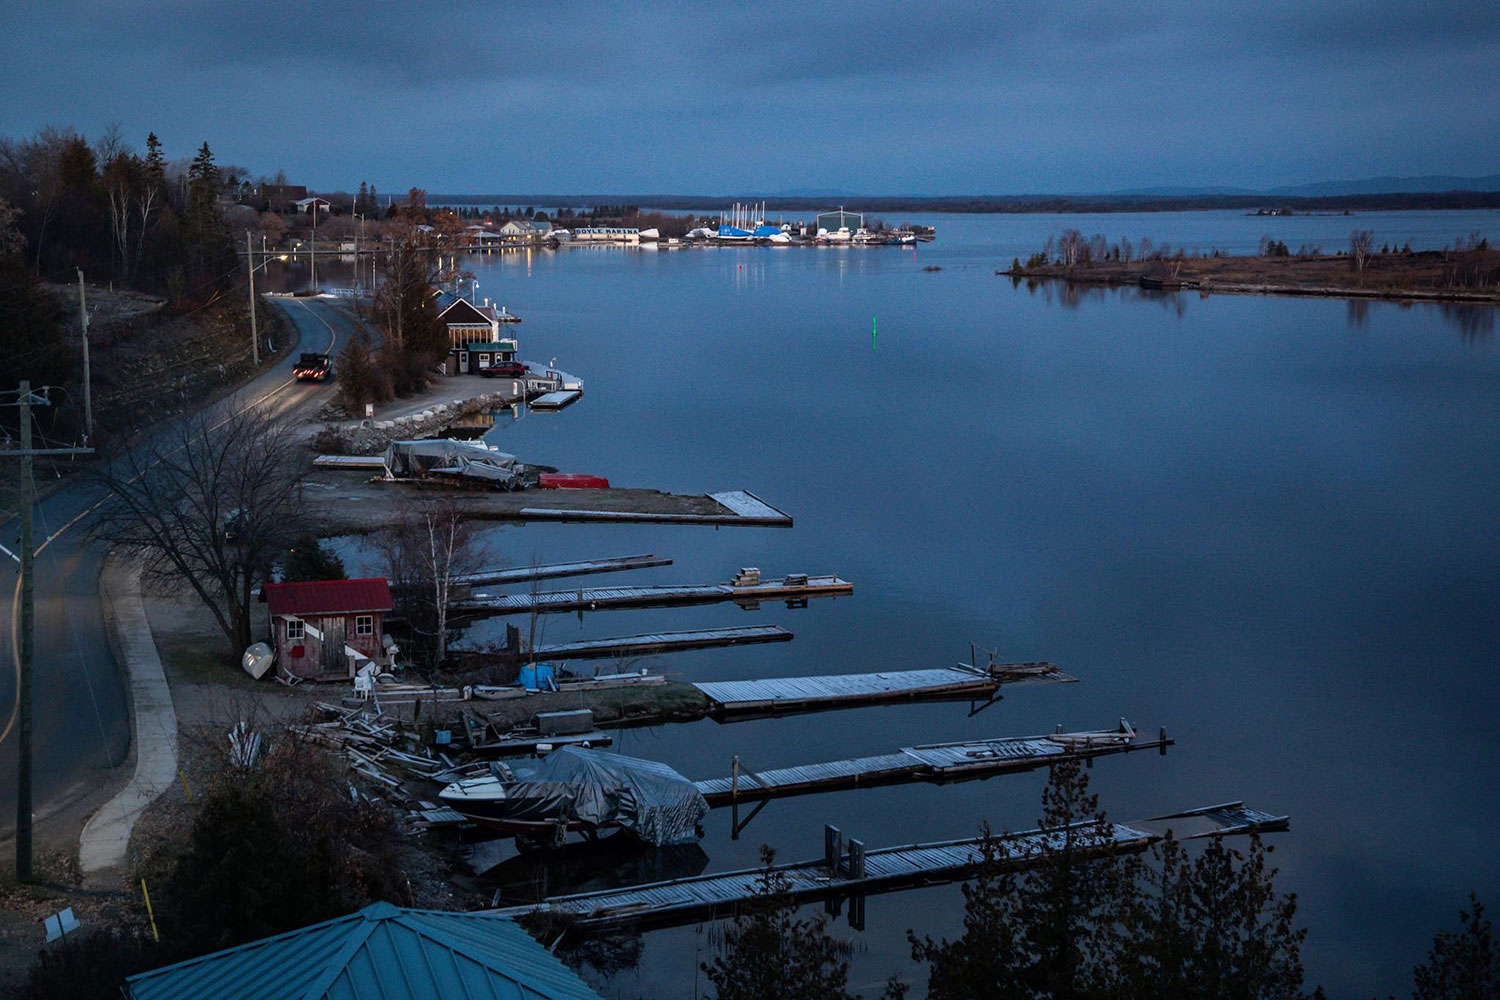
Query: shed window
column 364, row 625
column 294, row 629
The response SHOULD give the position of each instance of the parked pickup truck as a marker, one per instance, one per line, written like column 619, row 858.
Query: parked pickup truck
column 312, row 368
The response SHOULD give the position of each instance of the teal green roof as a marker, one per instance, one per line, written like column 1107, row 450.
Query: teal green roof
column 383, row 952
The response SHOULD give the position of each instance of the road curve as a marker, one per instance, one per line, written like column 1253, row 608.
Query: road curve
column 81, row 716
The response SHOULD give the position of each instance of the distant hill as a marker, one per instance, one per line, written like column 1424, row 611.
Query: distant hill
column 1177, row 192
column 1430, row 184
column 814, row 193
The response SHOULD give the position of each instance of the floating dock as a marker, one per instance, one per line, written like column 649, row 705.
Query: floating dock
column 550, row 571
column 651, row 643
column 933, row 762
column 790, row 695
column 740, row 507
column 849, row 869
column 350, row 461
column 556, row 400
column 790, row 588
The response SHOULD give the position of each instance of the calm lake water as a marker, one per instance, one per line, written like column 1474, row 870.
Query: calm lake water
column 1266, row 524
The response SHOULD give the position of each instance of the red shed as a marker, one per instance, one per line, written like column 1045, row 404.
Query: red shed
column 325, row 629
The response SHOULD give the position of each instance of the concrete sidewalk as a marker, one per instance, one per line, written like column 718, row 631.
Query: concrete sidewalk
column 106, row 836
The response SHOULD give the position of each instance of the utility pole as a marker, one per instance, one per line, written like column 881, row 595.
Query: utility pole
column 314, row 208
column 88, row 390
column 254, row 335
column 23, row 688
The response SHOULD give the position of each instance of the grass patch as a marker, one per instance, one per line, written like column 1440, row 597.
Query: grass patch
column 672, row 700
column 195, row 658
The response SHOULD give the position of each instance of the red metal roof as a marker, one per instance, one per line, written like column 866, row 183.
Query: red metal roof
column 328, row 597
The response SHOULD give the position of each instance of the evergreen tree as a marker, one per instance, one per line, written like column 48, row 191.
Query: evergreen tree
column 1462, row 966
column 1214, row 927
column 1052, row 931
column 207, row 241
column 1087, row 922
column 310, row 559
column 769, row 953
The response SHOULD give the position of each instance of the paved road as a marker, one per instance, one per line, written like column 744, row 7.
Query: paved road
column 81, row 714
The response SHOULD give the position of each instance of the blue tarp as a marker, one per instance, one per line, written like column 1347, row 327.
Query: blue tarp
column 538, row 677
column 733, row 232
column 767, row 231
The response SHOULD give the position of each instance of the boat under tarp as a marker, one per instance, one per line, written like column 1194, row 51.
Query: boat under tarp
column 580, row 789
column 447, row 457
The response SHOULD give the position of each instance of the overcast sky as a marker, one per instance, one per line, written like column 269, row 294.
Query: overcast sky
column 872, row 97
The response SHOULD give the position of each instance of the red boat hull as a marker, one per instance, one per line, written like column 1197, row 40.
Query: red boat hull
column 572, row 481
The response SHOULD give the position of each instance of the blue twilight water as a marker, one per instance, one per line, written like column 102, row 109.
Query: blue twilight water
column 1267, row 524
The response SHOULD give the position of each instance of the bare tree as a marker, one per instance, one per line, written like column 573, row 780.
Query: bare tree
column 211, row 503
column 1071, row 246
column 1360, row 242
column 428, row 548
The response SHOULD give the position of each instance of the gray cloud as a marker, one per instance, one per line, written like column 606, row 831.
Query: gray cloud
column 881, row 97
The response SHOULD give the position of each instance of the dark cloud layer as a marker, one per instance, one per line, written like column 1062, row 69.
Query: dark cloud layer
column 875, row 97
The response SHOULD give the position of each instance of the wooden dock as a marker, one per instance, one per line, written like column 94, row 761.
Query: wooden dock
column 934, row 762
column 789, row 695
column 350, row 461
column 739, row 507
column 551, row 571
column 849, row 869
column 603, row 598
column 651, row 643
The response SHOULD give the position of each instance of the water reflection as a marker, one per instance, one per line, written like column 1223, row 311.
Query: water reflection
column 472, row 426
column 1473, row 322
column 1070, row 295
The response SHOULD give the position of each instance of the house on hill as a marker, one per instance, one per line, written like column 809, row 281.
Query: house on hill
column 382, row 952
column 282, row 197
column 328, row 629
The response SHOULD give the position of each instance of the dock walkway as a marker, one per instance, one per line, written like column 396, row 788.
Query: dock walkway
column 848, row 869
column 787, row 695
column 735, row 507
column 603, row 598
column 933, row 762
column 651, row 643
column 550, row 571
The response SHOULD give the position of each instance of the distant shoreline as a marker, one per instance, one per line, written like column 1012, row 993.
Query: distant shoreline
column 1428, row 276
column 1016, row 204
